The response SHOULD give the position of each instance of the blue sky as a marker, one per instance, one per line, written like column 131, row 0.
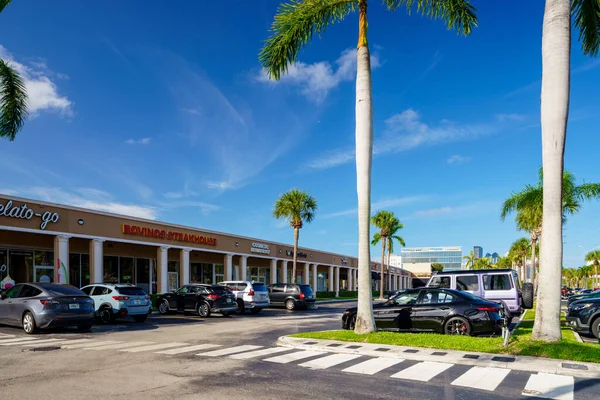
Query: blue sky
column 162, row 111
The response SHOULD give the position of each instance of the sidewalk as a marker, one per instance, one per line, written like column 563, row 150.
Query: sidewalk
column 519, row 363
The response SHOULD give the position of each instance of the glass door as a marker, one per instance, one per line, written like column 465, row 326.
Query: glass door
column 173, row 281
column 43, row 274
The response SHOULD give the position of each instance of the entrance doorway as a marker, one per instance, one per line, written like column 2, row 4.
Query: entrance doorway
column 43, row 274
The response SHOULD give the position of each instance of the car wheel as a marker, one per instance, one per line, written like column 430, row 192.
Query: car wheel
column 290, row 304
column 457, row 326
column 241, row 308
column 105, row 315
column 527, row 295
column 29, row 323
column 256, row 310
column 595, row 327
column 203, row 310
column 140, row 318
column 352, row 323
column 163, row 307
column 84, row 328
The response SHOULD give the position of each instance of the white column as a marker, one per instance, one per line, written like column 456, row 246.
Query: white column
column 244, row 267
column 314, row 278
column 354, row 279
column 284, row 265
column 330, row 280
column 96, row 261
column 273, row 271
column 184, row 267
column 61, row 253
column 306, row 274
column 337, row 281
column 349, row 275
column 227, row 265
column 162, row 269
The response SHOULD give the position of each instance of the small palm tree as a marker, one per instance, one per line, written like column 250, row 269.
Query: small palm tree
column 295, row 207
column 520, row 248
column 295, row 24
column 384, row 220
column 393, row 237
column 594, row 257
column 470, row 260
column 437, row 267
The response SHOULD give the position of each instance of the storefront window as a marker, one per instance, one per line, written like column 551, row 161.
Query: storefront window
column 173, row 275
column 142, row 273
column 111, row 269
column 75, row 270
column 207, row 274
column 219, row 273
column 196, row 273
column 3, row 264
column 126, row 270
column 20, row 266
column 44, row 266
column 85, row 270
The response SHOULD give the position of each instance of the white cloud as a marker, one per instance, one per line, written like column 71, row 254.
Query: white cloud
column 205, row 208
column 221, row 185
column 193, row 111
column 173, row 195
column 318, row 79
column 456, row 159
column 433, row 211
column 41, row 90
column 143, row 141
column 378, row 205
column 510, row 117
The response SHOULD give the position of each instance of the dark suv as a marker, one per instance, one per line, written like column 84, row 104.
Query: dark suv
column 291, row 295
column 204, row 299
column 584, row 316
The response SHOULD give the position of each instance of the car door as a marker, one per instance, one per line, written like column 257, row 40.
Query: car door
column 277, row 294
column 177, row 299
column 498, row 287
column 191, row 297
column 433, row 308
column 23, row 301
column 6, row 305
column 397, row 313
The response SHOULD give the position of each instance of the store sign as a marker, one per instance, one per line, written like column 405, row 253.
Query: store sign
column 344, row 261
column 260, row 248
column 168, row 235
column 290, row 253
column 23, row 212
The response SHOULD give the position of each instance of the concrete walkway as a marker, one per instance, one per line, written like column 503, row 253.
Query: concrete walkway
column 519, row 363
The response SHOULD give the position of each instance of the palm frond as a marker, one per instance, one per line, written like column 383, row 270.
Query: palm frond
column 376, row 238
column 295, row 207
column 586, row 15
column 295, row 24
column 13, row 102
column 457, row 14
column 400, row 240
column 4, row 3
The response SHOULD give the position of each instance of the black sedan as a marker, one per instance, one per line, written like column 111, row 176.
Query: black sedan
column 203, row 299
column 434, row 310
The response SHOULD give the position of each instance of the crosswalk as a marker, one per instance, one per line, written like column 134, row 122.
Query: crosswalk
column 488, row 379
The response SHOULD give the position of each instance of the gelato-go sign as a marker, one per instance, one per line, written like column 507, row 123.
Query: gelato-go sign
column 23, row 212
column 168, row 235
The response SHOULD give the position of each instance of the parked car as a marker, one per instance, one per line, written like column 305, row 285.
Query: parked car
column 201, row 298
column 591, row 295
column 35, row 306
column 113, row 301
column 291, row 295
column 584, row 316
column 253, row 296
column 446, row 311
column 497, row 285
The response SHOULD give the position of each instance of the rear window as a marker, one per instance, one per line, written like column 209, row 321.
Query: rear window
column 67, row 290
column 132, row 291
column 497, row 282
column 259, row 287
column 306, row 289
column 440, row 281
column 220, row 289
column 467, row 282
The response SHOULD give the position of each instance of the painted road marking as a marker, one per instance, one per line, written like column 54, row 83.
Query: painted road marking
column 6, row 342
column 258, row 353
column 93, row 344
column 36, row 342
column 422, row 371
column 119, row 346
column 482, row 378
column 299, row 355
column 329, row 361
column 61, row 342
column 373, row 366
column 550, row 386
column 189, row 349
column 228, row 351
column 152, row 347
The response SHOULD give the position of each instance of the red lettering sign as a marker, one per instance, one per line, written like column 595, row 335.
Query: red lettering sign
column 170, row 235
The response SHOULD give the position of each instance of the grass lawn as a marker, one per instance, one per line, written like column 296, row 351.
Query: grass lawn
column 521, row 344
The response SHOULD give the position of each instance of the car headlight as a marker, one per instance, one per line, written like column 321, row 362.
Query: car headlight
column 579, row 307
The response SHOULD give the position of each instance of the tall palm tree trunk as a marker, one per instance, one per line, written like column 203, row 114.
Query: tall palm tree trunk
column 382, row 284
column 365, row 322
column 556, row 55
column 524, row 267
column 533, row 274
column 296, row 235
column 596, row 273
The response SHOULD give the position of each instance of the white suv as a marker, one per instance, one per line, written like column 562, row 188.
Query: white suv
column 115, row 300
column 249, row 295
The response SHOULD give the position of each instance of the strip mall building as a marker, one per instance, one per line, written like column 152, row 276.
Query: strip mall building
column 55, row 243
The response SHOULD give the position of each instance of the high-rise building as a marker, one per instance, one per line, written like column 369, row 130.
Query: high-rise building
column 478, row 251
column 494, row 257
column 418, row 260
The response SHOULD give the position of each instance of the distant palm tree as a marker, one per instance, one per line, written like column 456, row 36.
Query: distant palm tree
column 437, row 267
column 520, row 247
column 385, row 221
column 503, row 262
column 594, row 257
column 482, row 263
column 295, row 207
column 13, row 97
column 470, row 260
column 393, row 237
column 295, row 24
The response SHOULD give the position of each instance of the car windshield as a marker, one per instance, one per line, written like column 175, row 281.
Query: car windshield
column 131, row 291
column 306, row 289
column 64, row 290
column 259, row 287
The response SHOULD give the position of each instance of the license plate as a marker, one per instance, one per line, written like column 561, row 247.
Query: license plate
column 227, row 300
column 137, row 302
column 74, row 306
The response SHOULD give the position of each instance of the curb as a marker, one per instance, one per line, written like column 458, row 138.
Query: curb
column 519, row 363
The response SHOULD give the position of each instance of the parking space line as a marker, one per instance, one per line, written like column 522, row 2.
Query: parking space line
column 93, row 344
column 422, row 371
column 258, row 353
column 118, row 346
column 229, row 350
column 189, row 349
column 152, row 347
column 550, row 386
column 482, row 378
column 16, row 340
column 62, row 342
column 329, row 361
column 373, row 366
column 299, row 355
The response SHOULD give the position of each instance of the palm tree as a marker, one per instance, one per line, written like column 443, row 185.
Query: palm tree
column 520, row 249
column 470, row 260
column 393, row 237
column 554, row 107
column 296, row 207
column 13, row 97
column 294, row 26
column 503, row 262
column 437, row 267
column 594, row 257
column 482, row 263
column 384, row 220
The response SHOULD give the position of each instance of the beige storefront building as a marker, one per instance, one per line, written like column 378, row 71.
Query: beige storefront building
column 48, row 242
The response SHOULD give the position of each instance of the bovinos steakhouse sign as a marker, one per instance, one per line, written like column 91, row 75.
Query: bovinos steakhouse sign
column 23, row 212
column 168, row 235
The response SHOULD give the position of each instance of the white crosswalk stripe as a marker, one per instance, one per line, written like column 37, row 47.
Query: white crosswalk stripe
column 228, row 351
column 16, row 340
column 117, row 346
column 422, row 371
column 93, row 344
column 34, row 343
column 550, row 386
column 329, row 361
column 482, row 378
column 6, row 336
column 373, row 366
column 299, row 355
column 189, row 349
column 153, row 347
column 259, row 353
column 60, row 342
